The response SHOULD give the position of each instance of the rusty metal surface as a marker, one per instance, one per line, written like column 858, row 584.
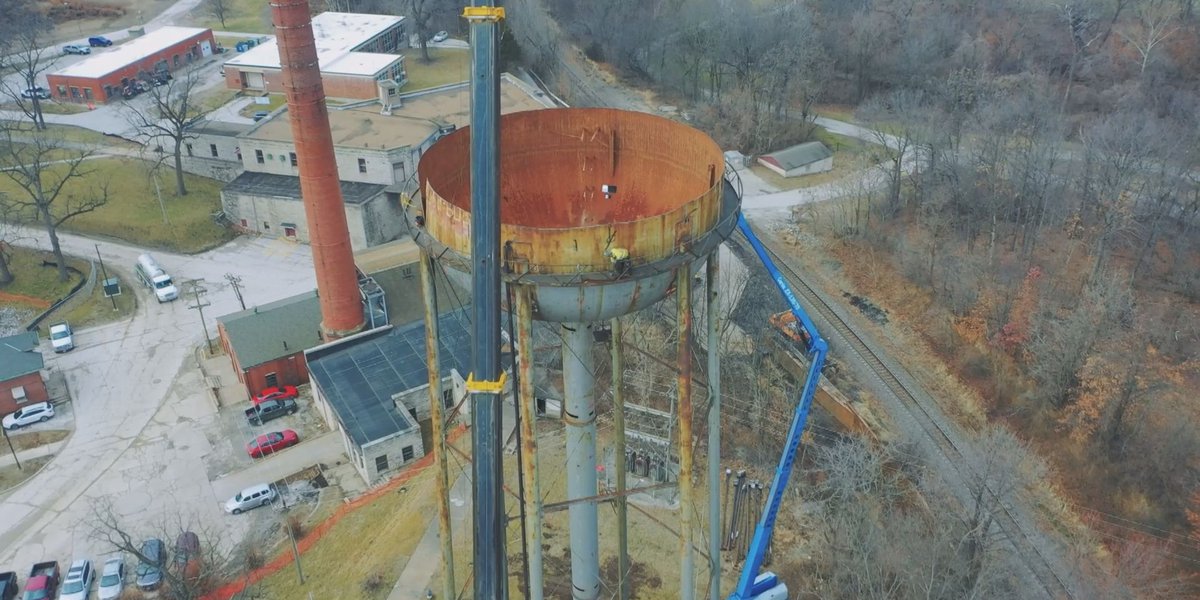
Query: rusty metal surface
column 555, row 216
column 529, row 447
column 438, row 419
column 597, row 296
column 329, row 237
column 683, row 387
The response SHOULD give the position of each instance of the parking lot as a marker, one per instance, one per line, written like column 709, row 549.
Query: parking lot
column 230, row 433
column 146, row 429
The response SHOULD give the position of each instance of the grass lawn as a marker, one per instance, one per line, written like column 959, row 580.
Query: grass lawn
column 97, row 309
column 252, row 16
column 133, row 213
column 35, row 281
column 446, row 65
column 212, row 99
column 363, row 554
column 276, row 100
column 11, row 476
column 35, row 439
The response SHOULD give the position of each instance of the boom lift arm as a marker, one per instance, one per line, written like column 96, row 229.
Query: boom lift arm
column 751, row 585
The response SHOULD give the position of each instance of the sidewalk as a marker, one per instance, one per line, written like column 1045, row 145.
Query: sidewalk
column 6, row 459
column 326, row 448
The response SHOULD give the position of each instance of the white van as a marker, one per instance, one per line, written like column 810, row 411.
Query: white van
column 154, row 277
column 251, row 497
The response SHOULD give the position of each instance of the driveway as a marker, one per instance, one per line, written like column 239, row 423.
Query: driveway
column 141, row 407
column 327, row 448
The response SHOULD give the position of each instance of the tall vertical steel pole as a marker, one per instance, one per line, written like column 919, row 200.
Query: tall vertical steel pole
column 713, row 335
column 579, row 413
column 618, row 378
column 683, row 298
column 439, row 424
column 491, row 577
column 529, row 447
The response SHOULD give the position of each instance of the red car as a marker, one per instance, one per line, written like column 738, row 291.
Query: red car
column 275, row 393
column 268, row 443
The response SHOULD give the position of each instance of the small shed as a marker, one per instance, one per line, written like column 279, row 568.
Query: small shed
column 21, row 367
column 267, row 343
column 373, row 388
column 801, row 159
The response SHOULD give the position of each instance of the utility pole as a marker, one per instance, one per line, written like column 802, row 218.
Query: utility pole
column 199, row 306
column 295, row 550
column 104, row 273
column 11, row 449
column 487, row 380
column 236, row 283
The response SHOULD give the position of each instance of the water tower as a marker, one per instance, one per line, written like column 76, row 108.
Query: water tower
column 602, row 213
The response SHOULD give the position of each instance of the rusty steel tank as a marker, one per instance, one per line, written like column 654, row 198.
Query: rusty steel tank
column 599, row 207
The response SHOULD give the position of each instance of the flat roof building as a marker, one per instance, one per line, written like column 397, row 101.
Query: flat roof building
column 376, row 155
column 357, row 53
column 104, row 74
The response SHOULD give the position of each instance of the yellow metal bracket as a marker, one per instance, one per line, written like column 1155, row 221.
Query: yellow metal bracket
column 483, row 13
column 486, row 387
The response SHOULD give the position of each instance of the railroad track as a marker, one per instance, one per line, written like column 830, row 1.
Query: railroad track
column 1026, row 550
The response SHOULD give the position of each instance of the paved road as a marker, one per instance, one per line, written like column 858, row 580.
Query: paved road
column 140, row 408
column 326, row 448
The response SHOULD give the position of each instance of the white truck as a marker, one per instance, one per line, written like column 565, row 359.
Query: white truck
column 61, row 337
column 155, row 278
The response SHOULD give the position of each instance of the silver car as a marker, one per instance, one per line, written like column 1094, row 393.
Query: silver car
column 77, row 585
column 112, row 581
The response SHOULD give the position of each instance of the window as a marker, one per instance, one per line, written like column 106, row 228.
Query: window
column 18, row 393
column 74, row 92
column 381, row 464
column 362, row 165
column 62, row 91
column 407, row 453
column 289, row 231
column 244, row 224
column 258, row 156
column 292, row 157
column 189, row 149
column 87, row 93
column 272, row 377
column 212, row 149
column 447, row 398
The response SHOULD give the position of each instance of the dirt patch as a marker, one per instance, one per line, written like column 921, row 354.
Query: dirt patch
column 37, row 439
column 11, row 476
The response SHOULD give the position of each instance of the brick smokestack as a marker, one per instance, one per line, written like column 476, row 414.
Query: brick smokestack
column 333, row 258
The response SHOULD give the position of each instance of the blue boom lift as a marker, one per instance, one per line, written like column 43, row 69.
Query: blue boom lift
column 751, row 585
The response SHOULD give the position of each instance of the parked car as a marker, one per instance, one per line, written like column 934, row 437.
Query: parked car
column 440, row 36
column 61, row 337
column 112, row 581
column 268, row 443
column 8, row 586
column 39, row 92
column 149, row 569
column 43, row 581
column 28, row 415
column 75, row 49
column 270, row 410
column 276, row 393
column 251, row 497
column 77, row 585
column 187, row 555
column 99, row 40
column 260, row 115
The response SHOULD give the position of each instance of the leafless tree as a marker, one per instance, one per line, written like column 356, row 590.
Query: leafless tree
column 43, row 165
column 172, row 110
column 24, row 49
column 1156, row 22
column 219, row 9
column 184, row 577
column 6, row 275
column 422, row 13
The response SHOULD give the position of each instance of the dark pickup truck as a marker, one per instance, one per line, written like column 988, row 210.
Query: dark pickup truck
column 8, row 585
column 270, row 410
column 43, row 581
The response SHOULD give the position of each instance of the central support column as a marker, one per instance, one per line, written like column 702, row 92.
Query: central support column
column 579, row 413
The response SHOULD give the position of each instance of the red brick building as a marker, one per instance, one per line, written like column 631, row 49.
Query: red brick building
column 266, row 343
column 103, row 75
column 358, row 55
column 21, row 366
